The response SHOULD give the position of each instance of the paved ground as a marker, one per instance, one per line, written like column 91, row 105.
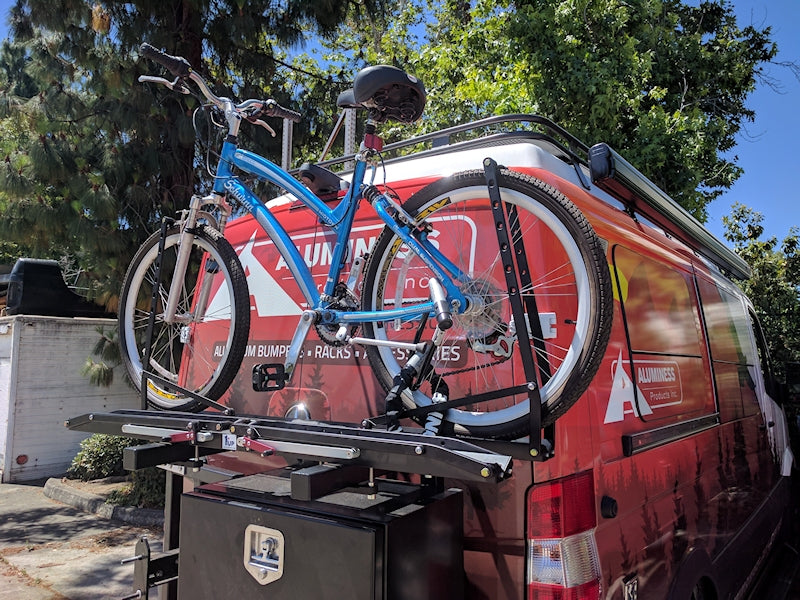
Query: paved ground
column 52, row 551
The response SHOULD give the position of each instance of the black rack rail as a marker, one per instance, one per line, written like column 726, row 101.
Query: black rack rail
column 186, row 436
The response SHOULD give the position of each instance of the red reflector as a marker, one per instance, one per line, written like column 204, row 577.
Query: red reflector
column 562, row 507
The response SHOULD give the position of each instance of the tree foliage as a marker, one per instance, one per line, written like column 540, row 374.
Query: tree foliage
column 774, row 286
column 101, row 158
column 663, row 82
column 96, row 159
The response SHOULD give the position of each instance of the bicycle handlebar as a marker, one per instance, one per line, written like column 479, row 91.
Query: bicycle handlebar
column 273, row 109
column 177, row 65
column 180, row 67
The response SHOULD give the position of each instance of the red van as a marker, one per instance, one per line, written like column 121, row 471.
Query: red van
column 668, row 478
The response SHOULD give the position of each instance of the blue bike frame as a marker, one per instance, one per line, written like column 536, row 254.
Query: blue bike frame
column 340, row 219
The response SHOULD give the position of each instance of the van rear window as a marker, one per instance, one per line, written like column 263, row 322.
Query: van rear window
column 732, row 353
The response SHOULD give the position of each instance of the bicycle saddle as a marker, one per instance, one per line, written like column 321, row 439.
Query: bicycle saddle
column 387, row 92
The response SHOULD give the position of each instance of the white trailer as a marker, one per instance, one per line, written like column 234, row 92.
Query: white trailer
column 41, row 386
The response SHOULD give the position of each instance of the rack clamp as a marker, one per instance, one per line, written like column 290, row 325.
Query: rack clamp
column 226, row 410
column 251, row 443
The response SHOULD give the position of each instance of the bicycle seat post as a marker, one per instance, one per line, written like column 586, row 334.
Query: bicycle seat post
column 372, row 143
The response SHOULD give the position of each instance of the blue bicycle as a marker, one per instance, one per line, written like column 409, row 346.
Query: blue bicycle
column 511, row 302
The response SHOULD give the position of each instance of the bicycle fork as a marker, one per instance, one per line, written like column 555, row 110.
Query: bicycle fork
column 188, row 226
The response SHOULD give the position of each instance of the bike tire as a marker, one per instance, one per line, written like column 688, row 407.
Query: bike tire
column 202, row 355
column 569, row 272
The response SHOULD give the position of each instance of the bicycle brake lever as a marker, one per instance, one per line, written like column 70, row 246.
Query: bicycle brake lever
column 264, row 125
column 176, row 85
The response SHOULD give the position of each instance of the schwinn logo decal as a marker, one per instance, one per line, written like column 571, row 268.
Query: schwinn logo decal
column 235, row 189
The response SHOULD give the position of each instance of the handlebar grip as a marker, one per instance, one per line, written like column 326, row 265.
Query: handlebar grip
column 273, row 109
column 177, row 65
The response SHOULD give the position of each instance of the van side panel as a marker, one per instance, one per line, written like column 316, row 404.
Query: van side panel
column 662, row 496
column 693, row 491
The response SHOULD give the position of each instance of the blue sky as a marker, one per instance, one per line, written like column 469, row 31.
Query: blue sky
column 767, row 149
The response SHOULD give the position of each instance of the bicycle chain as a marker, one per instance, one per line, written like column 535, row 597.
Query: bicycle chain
column 469, row 369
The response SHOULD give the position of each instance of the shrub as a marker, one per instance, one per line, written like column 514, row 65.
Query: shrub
column 146, row 489
column 100, row 456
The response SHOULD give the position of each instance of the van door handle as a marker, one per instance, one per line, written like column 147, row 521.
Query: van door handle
column 769, row 424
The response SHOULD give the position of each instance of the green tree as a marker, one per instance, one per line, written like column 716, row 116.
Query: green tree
column 663, row 82
column 774, row 287
column 102, row 158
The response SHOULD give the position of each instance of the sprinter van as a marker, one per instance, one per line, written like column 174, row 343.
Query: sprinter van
column 667, row 478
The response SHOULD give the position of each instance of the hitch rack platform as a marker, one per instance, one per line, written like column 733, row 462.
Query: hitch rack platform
column 189, row 436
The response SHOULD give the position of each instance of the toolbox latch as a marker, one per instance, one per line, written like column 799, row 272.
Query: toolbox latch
column 263, row 553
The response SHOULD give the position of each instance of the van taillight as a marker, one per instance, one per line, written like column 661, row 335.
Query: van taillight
column 562, row 559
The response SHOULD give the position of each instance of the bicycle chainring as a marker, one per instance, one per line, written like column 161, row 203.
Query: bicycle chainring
column 344, row 300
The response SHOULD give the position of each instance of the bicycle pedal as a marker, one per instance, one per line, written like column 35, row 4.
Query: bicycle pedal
column 269, row 377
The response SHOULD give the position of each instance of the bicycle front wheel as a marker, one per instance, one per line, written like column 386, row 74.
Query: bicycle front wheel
column 202, row 348
column 568, row 279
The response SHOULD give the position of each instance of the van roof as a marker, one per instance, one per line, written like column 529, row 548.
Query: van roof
column 526, row 140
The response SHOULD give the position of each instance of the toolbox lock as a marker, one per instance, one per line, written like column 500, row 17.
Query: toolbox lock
column 263, row 553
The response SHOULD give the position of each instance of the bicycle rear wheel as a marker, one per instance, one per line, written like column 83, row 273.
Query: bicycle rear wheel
column 203, row 348
column 569, row 280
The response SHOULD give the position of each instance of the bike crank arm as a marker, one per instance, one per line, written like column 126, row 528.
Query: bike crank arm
column 269, row 377
column 308, row 319
column 382, row 343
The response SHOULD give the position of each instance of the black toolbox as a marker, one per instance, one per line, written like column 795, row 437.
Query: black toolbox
column 385, row 540
column 358, row 513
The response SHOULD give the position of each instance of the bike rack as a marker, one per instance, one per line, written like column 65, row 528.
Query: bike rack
column 538, row 448
column 517, row 274
column 180, row 436
column 514, row 259
column 515, row 266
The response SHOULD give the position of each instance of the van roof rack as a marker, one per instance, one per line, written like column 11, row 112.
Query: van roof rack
column 607, row 169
